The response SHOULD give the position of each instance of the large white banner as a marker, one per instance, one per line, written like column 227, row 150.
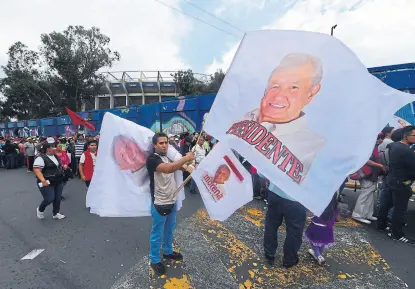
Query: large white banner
column 120, row 186
column 224, row 184
column 303, row 109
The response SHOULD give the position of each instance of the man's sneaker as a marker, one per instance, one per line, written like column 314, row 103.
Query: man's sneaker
column 29, row 171
column 257, row 197
column 176, row 256
column 384, row 229
column 270, row 259
column 159, row 268
column 402, row 239
column 372, row 218
column 40, row 215
column 288, row 266
column 59, row 216
column 361, row 220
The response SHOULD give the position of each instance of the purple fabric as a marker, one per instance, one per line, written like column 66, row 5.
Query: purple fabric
column 318, row 235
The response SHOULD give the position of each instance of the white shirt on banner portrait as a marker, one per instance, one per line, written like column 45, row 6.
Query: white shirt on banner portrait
column 296, row 135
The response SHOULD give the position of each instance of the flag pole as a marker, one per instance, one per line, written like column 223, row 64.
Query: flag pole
column 190, row 175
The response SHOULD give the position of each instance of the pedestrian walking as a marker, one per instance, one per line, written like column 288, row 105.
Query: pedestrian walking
column 87, row 162
column 283, row 207
column 29, row 147
column 399, row 180
column 163, row 208
column 65, row 161
column 320, row 232
column 49, row 175
column 200, row 153
column 79, row 150
column 365, row 204
column 10, row 150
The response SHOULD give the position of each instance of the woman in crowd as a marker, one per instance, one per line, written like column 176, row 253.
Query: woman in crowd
column 65, row 160
column 61, row 153
column 71, row 149
column 49, row 173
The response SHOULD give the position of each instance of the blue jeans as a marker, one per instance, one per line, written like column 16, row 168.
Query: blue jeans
column 295, row 216
column 51, row 194
column 162, row 229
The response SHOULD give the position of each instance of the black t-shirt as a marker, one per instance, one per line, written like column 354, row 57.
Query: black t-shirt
column 152, row 163
column 401, row 162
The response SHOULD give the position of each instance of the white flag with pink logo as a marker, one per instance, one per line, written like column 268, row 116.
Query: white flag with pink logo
column 224, row 184
column 120, row 185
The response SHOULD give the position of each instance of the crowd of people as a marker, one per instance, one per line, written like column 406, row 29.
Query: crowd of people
column 391, row 168
column 389, row 171
column 54, row 161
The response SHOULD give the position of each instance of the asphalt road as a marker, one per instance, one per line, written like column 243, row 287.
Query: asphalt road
column 86, row 251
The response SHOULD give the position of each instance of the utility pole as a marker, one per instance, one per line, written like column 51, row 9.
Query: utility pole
column 332, row 29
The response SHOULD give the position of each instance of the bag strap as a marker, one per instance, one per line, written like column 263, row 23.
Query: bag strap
column 164, row 156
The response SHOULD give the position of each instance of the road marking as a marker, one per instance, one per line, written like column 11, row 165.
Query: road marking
column 33, row 254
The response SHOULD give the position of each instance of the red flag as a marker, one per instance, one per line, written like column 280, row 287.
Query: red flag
column 77, row 120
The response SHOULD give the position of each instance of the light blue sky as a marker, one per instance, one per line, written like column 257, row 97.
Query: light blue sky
column 205, row 43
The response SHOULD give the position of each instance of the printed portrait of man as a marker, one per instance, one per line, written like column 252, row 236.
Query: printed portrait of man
column 291, row 86
column 216, row 184
column 222, row 174
column 127, row 154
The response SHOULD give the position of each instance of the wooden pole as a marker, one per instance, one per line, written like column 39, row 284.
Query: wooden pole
column 190, row 176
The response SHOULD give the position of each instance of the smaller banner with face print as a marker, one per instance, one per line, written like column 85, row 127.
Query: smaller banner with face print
column 223, row 182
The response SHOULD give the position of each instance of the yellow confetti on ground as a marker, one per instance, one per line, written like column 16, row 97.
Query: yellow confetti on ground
column 238, row 252
column 251, row 273
column 248, row 284
column 342, row 276
column 178, row 283
column 254, row 215
column 347, row 222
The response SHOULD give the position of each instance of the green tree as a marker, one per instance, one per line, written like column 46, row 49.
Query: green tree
column 185, row 82
column 25, row 87
column 74, row 58
column 188, row 84
column 215, row 81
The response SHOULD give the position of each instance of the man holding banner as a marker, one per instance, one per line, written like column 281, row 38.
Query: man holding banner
column 163, row 208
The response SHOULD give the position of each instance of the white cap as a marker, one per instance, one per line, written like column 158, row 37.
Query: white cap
column 50, row 140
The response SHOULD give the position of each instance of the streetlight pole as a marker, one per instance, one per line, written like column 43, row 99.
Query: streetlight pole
column 332, row 29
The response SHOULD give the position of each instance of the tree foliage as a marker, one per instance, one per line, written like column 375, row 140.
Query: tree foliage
column 25, row 86
column 188, row 84
column 63, row 73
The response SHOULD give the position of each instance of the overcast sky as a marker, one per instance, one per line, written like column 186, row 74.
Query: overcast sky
column 151, row 36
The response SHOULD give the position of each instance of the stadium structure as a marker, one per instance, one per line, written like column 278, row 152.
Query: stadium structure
column 123, row 88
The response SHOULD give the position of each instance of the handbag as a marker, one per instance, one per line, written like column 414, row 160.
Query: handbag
column 164, row 210
column 68, row 174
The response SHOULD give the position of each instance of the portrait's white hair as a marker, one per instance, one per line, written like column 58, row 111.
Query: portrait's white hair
column 299, row 59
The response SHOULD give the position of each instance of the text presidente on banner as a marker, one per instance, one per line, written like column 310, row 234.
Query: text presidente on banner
column 268, row 145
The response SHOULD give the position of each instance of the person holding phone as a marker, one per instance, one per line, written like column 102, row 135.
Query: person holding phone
column 50, row 176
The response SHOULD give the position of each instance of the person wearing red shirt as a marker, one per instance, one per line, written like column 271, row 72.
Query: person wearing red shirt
column 63, row 156
column 87, row 162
